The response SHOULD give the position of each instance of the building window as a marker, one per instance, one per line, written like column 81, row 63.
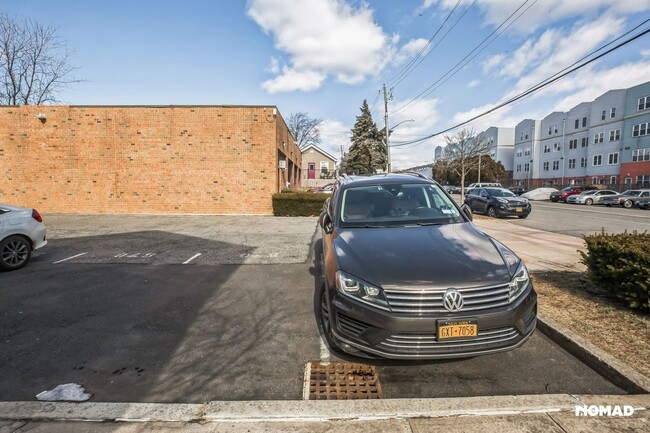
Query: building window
column 639, row 155
column 526, row 167
column 550, row 130
column 556, row 165
column 324, row 167
column 518, row 168
column 526, row 136
column 527, row 151
column 603, row 181
column 585, row 142
column 612, row 112
column 614, row 135
column 628, row 181
column 598, row 160
column 603, row 114
column 547, row 149
column 643, row 180
column 612, row 158
column 546, row 166
column 573, row 144
column 644, row 103
column 577, row 123
column 584, row 122
column 572, row 163
column 556, row 147
column 594, row 180
column 612, row 180
column 583, row 162
column 599, row 138
column 519, row 152
column 640, row 129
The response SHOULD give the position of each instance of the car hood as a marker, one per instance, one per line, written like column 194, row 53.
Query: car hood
column 451, row 255
column 516, row 200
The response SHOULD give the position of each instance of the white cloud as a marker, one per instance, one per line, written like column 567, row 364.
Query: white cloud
column 334, row 134
column 492, row 62
column 473, row 83
column 546, row 12
column 645, row 53
column 274, row 66
column 323, row 38
column 410, row 49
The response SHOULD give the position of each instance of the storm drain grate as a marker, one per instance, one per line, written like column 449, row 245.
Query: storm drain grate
column 341, row 381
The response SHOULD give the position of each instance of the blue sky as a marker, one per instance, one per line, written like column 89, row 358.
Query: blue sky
column 324, row 57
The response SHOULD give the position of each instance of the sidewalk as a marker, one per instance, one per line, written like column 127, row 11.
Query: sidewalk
column 537, row 413
column 530, row 413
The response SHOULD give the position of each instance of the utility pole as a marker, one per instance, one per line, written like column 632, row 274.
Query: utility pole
column 386, row 127
column 479, row 168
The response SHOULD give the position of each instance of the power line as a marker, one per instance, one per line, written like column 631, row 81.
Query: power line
column 544, row 83
column 462, row 62
column 408, row 68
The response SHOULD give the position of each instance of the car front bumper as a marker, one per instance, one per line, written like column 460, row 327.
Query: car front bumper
column 410, row 336
column 509, row 210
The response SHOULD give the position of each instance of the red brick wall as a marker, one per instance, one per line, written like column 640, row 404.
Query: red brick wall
column 83, row 159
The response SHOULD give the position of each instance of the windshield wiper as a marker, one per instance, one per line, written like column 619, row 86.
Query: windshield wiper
column 431, row 224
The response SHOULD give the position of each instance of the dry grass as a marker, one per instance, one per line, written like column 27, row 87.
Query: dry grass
column 571, row 299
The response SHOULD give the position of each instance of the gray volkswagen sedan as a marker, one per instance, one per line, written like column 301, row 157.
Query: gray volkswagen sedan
column 407, row 275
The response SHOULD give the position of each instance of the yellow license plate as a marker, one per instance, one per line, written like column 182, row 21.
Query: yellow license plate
column 464, row 329
column 518, row 209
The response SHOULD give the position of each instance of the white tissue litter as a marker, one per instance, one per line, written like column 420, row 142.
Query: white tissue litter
column 65, row 392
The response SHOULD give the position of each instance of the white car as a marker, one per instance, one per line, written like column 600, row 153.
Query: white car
column 590, row 197
column 21, row 232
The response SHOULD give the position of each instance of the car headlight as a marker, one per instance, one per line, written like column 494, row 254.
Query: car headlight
column 361, row 290
column 519, row 282
column 502, row 200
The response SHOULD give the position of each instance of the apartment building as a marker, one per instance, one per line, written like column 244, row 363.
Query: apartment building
column 603, row 154
column 502, row 147
column 526, row 158
column 635, row 134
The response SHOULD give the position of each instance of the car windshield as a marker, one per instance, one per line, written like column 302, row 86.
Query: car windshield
column 498, row 192
column 397, row 205
column 590, row 192
column 631, row 192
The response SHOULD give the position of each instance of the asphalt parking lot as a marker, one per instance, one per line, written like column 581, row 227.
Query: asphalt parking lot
column 197, row 308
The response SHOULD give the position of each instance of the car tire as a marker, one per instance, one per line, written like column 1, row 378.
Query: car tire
column 589, row 202
column 491, row 212
column 15, row 252
column 628, row 204
column 325, row 322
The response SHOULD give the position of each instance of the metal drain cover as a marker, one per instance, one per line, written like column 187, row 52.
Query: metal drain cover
column 341, row 381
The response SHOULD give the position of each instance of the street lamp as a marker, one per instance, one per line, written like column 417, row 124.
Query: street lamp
column 388, row 139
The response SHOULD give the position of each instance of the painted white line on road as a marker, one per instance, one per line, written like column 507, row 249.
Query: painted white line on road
column 70, row 258
column 306, row 381
column 191, row 258
column 324, row 351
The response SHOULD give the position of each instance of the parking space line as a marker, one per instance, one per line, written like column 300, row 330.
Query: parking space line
column 69, row 258
column 191, row 258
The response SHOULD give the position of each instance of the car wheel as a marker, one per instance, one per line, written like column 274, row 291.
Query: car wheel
column 628, row 204
column 491, row 212
column 589, row 202
column 15, row 252
column 326, row 323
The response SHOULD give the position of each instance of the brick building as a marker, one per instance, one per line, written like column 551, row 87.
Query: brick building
column 146, row 159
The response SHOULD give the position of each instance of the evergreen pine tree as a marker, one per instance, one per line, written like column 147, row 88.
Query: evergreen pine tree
column 367, row 152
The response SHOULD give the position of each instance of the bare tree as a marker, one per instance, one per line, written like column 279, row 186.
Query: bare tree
column 304, row 129
column 463, row 148
column 34, row 63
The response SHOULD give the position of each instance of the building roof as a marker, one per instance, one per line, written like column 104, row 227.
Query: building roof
column 319, row 150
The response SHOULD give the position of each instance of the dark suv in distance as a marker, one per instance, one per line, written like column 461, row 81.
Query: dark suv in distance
column 407, row 275
column 498, row 202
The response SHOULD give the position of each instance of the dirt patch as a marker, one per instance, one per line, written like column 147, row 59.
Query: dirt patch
column 571, row 299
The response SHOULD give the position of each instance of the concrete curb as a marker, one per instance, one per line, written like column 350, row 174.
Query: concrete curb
column 614, row 370
column 308, row 411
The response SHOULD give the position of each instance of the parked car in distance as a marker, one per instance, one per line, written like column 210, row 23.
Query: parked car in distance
column 590, row 197
column 539, row 194
column 327, row 189
column 562, row 194
column 626, row 198
column 643, row 203
column 21, row 232
column 518, row 190
column 408, row 276
column 498, row 202
column 451, row 189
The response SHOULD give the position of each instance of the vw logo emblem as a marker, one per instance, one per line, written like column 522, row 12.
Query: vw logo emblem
column 452, row 300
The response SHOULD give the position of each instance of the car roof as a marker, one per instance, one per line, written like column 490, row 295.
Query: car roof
column 384, row 179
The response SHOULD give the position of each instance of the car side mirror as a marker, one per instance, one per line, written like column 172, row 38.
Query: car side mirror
column 325, row 222
column 467, row 211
